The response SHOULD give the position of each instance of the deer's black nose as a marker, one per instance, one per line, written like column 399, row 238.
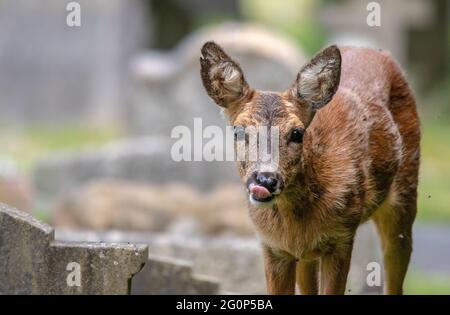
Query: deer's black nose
column 268, row 180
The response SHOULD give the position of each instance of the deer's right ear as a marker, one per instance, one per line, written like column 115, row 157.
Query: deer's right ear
column 222, row 77
column 319, row 79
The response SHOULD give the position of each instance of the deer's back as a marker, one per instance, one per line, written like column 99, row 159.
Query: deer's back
column 355, row 143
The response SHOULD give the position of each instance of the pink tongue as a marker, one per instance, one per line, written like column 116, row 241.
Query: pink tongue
column 260, row 192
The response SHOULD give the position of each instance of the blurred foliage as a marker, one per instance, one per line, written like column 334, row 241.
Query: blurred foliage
column 212, row 20
column 296, row 18
column 434, row 183
column 29, row 144
column 418, row 283
column 437, row 104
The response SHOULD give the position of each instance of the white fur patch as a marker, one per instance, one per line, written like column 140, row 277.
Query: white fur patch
column 260, row 204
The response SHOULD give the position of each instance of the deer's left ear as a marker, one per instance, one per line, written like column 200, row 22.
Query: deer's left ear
column 319, row 79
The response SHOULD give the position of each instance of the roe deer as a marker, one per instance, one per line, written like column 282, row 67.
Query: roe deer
column 349, row 150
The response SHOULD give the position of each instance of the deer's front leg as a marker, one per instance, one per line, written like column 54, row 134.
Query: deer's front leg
column 280, row 271
column 334, row 269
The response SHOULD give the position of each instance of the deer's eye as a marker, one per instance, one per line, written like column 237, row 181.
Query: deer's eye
column 297, row 135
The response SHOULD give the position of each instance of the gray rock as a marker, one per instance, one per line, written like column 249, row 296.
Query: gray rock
column 169, row 276
column 236, row 261
column 32, row 262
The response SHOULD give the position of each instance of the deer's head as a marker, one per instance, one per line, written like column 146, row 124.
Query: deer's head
column 290, row 112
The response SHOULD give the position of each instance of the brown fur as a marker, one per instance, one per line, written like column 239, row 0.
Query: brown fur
column 359, row 159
